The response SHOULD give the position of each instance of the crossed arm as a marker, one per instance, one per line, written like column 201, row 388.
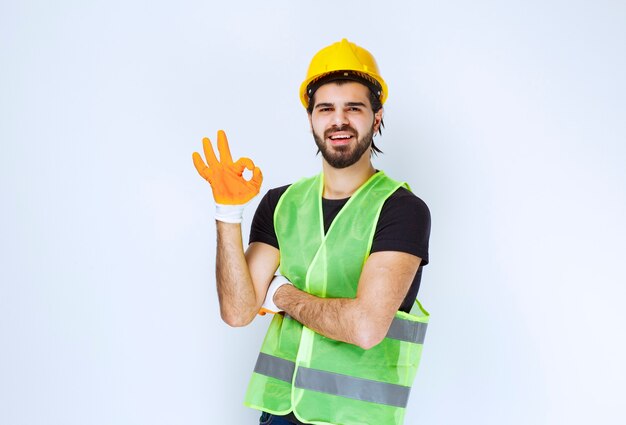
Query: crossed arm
column 243, row 278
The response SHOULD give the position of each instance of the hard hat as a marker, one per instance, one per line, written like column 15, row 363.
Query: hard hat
column 356, row 63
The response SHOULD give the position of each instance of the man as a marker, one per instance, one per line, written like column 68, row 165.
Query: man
column 346, row 337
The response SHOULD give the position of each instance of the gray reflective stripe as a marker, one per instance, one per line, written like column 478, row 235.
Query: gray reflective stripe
column 406, row 330
column 274, row 367
column 403, row 330
column 351, row 387
column 333, row 383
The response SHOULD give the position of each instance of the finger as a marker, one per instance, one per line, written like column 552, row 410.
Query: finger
column 203, row 170
column 222, row 147
column 209, row 153
column 242, row 164
column 257, row 177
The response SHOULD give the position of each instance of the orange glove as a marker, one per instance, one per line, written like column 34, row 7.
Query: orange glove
column 225, row 176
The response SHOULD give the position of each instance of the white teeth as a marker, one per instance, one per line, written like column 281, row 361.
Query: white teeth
column 339, row 137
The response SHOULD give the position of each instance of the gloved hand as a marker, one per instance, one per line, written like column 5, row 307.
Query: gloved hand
column 231, row 190
column 268, row 305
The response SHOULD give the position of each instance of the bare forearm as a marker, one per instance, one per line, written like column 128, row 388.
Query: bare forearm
column 237, row 297
column 342, row 319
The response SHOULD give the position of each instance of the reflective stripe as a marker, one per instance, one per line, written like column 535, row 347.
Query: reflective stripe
column 351, row 387
column 333, row 383
column 407, row 330
column 403, row 330
column 274, row 367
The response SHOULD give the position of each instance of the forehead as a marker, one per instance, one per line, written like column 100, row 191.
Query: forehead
column 342, row 92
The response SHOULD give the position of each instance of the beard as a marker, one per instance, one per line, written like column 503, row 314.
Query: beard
column 345, row 155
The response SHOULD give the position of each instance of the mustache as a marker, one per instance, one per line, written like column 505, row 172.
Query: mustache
column 347, row 128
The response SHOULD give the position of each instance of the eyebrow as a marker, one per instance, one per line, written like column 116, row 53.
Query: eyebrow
column 324, row 105
column 331, row 105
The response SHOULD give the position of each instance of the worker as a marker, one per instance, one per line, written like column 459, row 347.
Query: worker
column 336, row 257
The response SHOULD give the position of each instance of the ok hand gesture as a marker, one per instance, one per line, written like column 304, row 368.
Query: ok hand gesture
column 225, row 176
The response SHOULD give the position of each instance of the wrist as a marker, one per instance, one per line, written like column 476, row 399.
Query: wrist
column 279, row 295
column 276, row 284
column 229, row 213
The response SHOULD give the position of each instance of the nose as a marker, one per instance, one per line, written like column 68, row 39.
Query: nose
column 340, row 118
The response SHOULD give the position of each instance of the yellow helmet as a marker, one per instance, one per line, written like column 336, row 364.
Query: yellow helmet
column 357, row 63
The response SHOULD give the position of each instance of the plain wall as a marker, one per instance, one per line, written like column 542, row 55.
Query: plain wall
column 506, row 117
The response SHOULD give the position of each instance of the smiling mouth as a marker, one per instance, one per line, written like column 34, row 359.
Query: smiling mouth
column 340, row 139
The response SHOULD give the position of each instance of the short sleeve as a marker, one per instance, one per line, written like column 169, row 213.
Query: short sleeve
column 262, row 227
column 403, row 225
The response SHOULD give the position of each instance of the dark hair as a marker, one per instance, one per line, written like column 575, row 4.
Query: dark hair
column 373, row 97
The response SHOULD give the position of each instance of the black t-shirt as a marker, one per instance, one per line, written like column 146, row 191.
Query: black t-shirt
column 403, row 225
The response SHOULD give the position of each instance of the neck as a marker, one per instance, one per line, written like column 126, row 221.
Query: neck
column 341, row 183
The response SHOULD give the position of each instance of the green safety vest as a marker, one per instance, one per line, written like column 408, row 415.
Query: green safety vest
column 324, row 381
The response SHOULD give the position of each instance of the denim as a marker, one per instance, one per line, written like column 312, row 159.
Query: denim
column 267, row 419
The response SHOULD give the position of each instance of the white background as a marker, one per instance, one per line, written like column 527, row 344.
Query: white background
column 506, row 117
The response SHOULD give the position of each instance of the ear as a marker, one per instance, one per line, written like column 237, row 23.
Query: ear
column 378, row 118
